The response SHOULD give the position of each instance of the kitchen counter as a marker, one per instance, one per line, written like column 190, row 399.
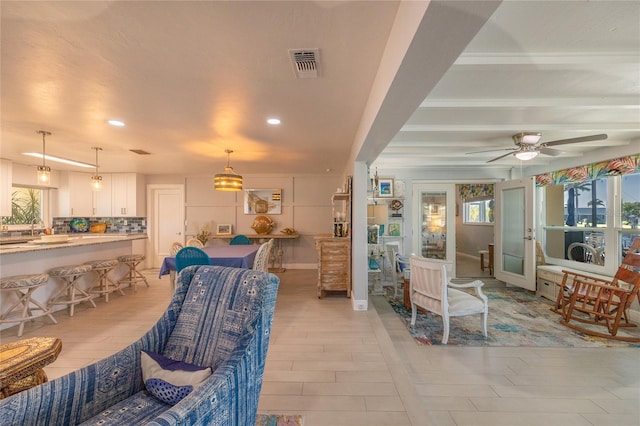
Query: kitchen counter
column 75, row 240
column 38, row 258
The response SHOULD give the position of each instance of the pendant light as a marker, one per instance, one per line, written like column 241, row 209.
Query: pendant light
column 44, row 171
column 229, row 180
column 96, row 180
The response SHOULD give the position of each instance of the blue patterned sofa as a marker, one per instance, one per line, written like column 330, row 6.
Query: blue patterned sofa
column 218, row 316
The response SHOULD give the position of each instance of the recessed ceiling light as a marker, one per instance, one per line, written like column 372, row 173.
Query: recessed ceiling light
column 116, row 123
column 273, row 121
column 59, row 159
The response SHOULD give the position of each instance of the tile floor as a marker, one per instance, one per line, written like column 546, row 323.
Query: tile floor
column 340, row 367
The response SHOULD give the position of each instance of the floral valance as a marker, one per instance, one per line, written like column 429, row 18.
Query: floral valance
column 617, row 167
column 475, row 191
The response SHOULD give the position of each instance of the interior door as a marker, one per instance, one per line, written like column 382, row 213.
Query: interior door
column 514, row 258
column 167, row 221
column 434, row 226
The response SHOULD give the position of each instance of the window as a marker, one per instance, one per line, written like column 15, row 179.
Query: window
column 629, row 211
column 478, row 211
column 26, row 206
column 580, row 224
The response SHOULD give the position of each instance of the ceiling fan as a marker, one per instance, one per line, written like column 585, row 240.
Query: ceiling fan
column 528, row 145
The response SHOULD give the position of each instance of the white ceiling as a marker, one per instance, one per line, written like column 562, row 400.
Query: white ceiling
column 191, row 79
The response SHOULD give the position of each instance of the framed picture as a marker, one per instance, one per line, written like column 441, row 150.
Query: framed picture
column 223, row 229
column 395, row 229
column 372, row 234
column 263, row 201
column 385, row 187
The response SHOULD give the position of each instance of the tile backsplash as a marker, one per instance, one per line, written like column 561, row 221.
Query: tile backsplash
column 115, row 225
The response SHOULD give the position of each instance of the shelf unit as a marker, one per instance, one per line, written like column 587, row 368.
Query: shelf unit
column 341, row 213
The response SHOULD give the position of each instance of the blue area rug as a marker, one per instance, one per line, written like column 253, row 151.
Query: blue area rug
column 517, row 317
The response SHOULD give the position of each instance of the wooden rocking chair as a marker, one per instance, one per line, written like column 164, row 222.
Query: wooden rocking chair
column 592, row 300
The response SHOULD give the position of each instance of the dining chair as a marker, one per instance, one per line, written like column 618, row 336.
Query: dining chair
column 432, row 290
column 261, row 263
column 175, row 248
column 190, row 255
column 240, row 240
column 194, row 242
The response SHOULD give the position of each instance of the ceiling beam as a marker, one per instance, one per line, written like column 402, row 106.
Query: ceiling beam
column 568, row 127
column 620, row 102
column 560, row 58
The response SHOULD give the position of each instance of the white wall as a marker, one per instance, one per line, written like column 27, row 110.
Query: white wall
column 306, row 207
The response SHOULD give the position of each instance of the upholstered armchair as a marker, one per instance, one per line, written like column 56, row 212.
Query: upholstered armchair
column 218, row 317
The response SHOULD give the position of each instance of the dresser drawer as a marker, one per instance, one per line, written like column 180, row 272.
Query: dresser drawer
column 546, row 288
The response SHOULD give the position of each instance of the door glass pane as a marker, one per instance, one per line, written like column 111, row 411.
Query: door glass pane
column 434, row 224
column 513, row 232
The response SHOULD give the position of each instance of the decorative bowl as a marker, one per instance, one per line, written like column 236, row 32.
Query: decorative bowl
column 79, row 224
column 98, row 228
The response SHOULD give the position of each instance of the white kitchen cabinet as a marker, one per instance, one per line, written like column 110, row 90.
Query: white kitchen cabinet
column 127, row 195
column 76, row 195
column 102, row 198
column 6, row 168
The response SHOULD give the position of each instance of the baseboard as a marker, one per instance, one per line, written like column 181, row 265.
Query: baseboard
column 359, row 305
column 634, row 316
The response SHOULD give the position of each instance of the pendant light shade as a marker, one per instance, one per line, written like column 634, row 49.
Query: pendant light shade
column 44, row 171
column 96, row 180
column 229, row 180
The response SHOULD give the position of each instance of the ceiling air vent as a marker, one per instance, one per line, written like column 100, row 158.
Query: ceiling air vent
column 140, row 152
column 306, row 62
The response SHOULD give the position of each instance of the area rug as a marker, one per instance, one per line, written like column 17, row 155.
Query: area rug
column 279, row 420
column 517, row 317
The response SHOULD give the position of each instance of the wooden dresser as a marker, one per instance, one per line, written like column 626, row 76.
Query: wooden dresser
column 334, row 264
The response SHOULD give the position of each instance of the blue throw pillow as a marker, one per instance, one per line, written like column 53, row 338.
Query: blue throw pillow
column 170, row 380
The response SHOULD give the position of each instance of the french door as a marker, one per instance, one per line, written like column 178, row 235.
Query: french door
column 514, row 259
column 435, row 223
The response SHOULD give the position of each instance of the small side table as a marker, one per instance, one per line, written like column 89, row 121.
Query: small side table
column 407, row 299
column 482, row 254
column 21, row 363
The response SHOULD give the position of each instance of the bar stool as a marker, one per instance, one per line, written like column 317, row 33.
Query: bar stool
column 104, row 284
column 134, row 276
column 71, row 294
column 24, row 286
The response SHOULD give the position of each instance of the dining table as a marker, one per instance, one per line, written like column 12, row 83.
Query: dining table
column 237, row 256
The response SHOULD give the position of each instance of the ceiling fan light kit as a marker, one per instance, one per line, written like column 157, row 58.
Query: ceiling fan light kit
column 526, row 155
column 530, row 138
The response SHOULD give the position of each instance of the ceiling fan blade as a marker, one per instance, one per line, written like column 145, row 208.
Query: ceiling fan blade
column 502, row 156
column 549, row 151
column 490, row 150
column 599, row 137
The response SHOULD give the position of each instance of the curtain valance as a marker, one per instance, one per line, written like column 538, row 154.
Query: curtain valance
column 475, row 191
column 616, row 167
